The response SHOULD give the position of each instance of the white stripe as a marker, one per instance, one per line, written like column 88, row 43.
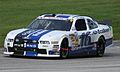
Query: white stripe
column 33, row 33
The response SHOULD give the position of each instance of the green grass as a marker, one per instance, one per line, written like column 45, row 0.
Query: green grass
column 16, row 14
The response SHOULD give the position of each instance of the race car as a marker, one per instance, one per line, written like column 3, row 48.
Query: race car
column 60, row 35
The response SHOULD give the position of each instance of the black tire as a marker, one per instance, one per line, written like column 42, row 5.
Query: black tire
column 100, row 47
column 64, row 51
column 11, row 55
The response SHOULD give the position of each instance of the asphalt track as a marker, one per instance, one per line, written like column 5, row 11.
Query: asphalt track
column 109, row 63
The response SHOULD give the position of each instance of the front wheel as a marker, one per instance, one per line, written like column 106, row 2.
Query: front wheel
column 100, row 47
column 64, row 51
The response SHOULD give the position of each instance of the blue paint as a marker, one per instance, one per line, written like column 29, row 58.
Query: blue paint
column 54, row 53
column 62, row 16
column 31, row 53
column 26, row 33
column 94, row 32
column 51, row 52
column 85, row 39
column 31, row 46
column 35, row 32
column 108, row 42
column 82, row 51
column 40, row 35
column 22, row 34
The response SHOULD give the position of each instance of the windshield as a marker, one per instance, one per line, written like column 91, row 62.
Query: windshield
column 50, row 24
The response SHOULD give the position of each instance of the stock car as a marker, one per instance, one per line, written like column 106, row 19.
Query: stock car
column 60, row 35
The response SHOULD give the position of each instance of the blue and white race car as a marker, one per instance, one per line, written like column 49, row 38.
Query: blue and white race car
column 60, row 35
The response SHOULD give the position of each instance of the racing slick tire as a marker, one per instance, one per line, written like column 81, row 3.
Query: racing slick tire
column 64, row 51
column 100, row 47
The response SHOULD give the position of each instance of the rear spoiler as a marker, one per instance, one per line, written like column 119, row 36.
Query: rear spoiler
column 105, row 22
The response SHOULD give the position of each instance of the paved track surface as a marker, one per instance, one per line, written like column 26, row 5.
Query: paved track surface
column 109, row 63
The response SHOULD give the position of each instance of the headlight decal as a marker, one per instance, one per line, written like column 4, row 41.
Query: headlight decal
column 54, row 42
column 44, row 42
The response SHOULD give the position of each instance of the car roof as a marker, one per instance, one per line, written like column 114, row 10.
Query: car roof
column 60, row 16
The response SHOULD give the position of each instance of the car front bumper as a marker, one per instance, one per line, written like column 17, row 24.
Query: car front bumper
column 31, row 52
column 38, row 55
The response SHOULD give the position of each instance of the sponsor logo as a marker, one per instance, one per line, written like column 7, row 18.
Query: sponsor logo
column 32, row 34
column 100, row 31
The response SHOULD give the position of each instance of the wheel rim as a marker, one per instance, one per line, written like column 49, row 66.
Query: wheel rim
column 64, row 48
column 64, row 52
column 100, row 49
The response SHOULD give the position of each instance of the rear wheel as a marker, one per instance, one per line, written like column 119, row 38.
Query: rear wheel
column 64, row 51
column 100, row 47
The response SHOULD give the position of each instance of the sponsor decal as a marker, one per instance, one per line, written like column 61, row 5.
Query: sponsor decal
column 32, row 34
column 95, row 32
column 54, row 53
column 101, row 31
column 38, row 35
column 27, row 32
column 31, row 45
column 85, row 39
column 74, row 39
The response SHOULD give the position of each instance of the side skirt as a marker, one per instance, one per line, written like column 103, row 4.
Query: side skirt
column 84, row 51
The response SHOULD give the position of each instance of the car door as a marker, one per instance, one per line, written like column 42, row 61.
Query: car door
column 83, row 33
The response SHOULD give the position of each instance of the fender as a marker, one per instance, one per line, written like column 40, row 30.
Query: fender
column 65, row 36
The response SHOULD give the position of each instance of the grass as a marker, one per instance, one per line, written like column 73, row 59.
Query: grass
column 16, row 14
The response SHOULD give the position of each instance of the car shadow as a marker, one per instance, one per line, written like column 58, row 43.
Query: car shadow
column 58, row 58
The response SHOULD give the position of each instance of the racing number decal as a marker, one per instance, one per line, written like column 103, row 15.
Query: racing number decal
column 85, row 39
column 80, row 41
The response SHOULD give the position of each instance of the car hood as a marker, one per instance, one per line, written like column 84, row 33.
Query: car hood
column 12, row 34
column 34, row 34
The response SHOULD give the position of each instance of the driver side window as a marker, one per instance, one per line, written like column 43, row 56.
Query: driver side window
column 80, row 25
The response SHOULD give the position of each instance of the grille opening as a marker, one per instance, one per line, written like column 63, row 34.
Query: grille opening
column 41, row 51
